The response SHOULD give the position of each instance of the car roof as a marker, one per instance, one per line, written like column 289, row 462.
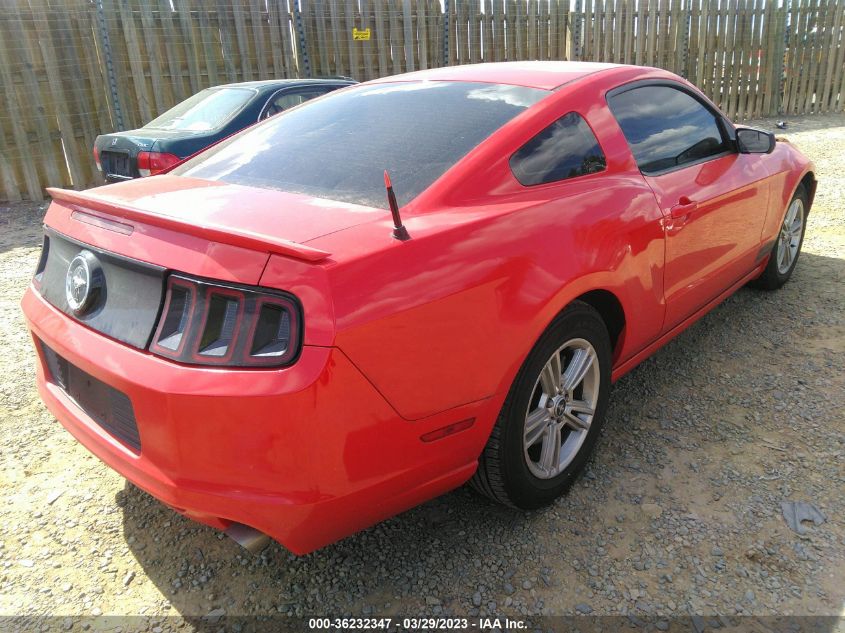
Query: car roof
column 542, row 75
column 281, row 83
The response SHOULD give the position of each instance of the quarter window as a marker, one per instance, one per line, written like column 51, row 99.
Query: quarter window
column 289, row 99
column 566, row 149
column 666, row 127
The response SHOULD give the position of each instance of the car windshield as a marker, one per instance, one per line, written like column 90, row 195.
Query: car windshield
column 339, row 146
column 207, row 110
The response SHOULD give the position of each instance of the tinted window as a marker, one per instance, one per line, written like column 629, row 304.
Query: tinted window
column 565, row 149
column 666, row 127
column 290, row 98
column 206, row 110
column 339, row 147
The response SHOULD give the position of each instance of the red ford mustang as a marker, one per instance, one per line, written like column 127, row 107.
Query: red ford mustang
column 273, row 343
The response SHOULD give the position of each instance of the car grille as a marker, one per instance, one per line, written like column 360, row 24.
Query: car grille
column 108, row 407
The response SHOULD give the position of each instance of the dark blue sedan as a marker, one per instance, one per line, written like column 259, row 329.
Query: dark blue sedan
column 199, row 121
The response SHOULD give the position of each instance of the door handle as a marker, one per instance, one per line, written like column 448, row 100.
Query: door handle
column 684, row 207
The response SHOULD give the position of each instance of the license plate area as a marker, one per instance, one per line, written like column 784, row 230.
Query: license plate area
column 116, row 163
column 110, row 408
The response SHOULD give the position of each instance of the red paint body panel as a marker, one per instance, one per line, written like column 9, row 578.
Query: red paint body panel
column 449, row 301
column 401, row 339
column 144, row 242
column 261, row 215
column 256, row 447
column 718, row 240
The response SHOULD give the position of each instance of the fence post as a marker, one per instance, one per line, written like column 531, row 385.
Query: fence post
column 445, row 60
column 107, row 57
column 410, row 40
column 576, row 31
column 303, row 43
column 685, row 39
column 785, row 43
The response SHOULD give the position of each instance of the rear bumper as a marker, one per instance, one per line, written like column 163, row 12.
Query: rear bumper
column 307, row 454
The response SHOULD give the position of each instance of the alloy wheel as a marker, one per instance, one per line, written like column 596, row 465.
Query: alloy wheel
column 561, row 408
column 789, row 239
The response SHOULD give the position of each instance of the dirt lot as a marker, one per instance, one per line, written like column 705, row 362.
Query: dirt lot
column 679, row 512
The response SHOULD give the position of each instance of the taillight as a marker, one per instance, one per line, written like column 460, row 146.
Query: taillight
column 42, row 263
column 152, row 163
column 211, row 323
column 97, row 159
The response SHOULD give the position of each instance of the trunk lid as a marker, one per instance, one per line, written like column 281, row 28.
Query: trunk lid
column 260, row 220
column 108, row 251
column 119, row 153
column 132, row 234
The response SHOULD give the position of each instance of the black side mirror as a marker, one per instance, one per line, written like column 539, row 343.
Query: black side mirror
column 750, row 140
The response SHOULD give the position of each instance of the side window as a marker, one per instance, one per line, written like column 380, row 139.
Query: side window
column 288, row 99
column 565, row 149
column 666, row 127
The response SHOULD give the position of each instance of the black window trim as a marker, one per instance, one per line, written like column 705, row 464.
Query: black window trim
column 330, row 87
column 726, row 128
column 560, row 180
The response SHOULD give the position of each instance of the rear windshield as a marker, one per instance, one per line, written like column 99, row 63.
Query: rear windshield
column 338, row 147
column 207, row 110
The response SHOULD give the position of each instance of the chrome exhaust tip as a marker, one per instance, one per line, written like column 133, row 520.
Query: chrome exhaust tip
column 249, row 538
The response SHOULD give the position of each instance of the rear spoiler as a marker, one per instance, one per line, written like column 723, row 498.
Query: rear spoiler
column 223, row 235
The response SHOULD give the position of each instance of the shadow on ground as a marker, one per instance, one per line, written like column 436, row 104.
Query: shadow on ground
column 752, row 344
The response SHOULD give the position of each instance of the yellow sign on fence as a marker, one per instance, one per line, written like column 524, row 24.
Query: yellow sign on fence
column 361, row 35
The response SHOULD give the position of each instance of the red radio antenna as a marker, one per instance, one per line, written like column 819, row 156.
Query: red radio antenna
column 399, row 230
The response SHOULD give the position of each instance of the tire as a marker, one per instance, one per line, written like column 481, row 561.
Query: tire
column 518, row 473
column 787, row 245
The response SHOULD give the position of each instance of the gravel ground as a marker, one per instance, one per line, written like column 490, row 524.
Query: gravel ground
column 679, row 512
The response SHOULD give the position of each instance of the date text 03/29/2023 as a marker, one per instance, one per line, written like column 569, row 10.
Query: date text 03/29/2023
column 417, row 624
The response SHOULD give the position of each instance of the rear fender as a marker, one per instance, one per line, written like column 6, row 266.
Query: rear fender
column 571, row 292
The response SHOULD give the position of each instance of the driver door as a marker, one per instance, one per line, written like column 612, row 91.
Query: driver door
column 713, row 199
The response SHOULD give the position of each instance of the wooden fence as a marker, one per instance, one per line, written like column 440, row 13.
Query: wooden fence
column 71, row 69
